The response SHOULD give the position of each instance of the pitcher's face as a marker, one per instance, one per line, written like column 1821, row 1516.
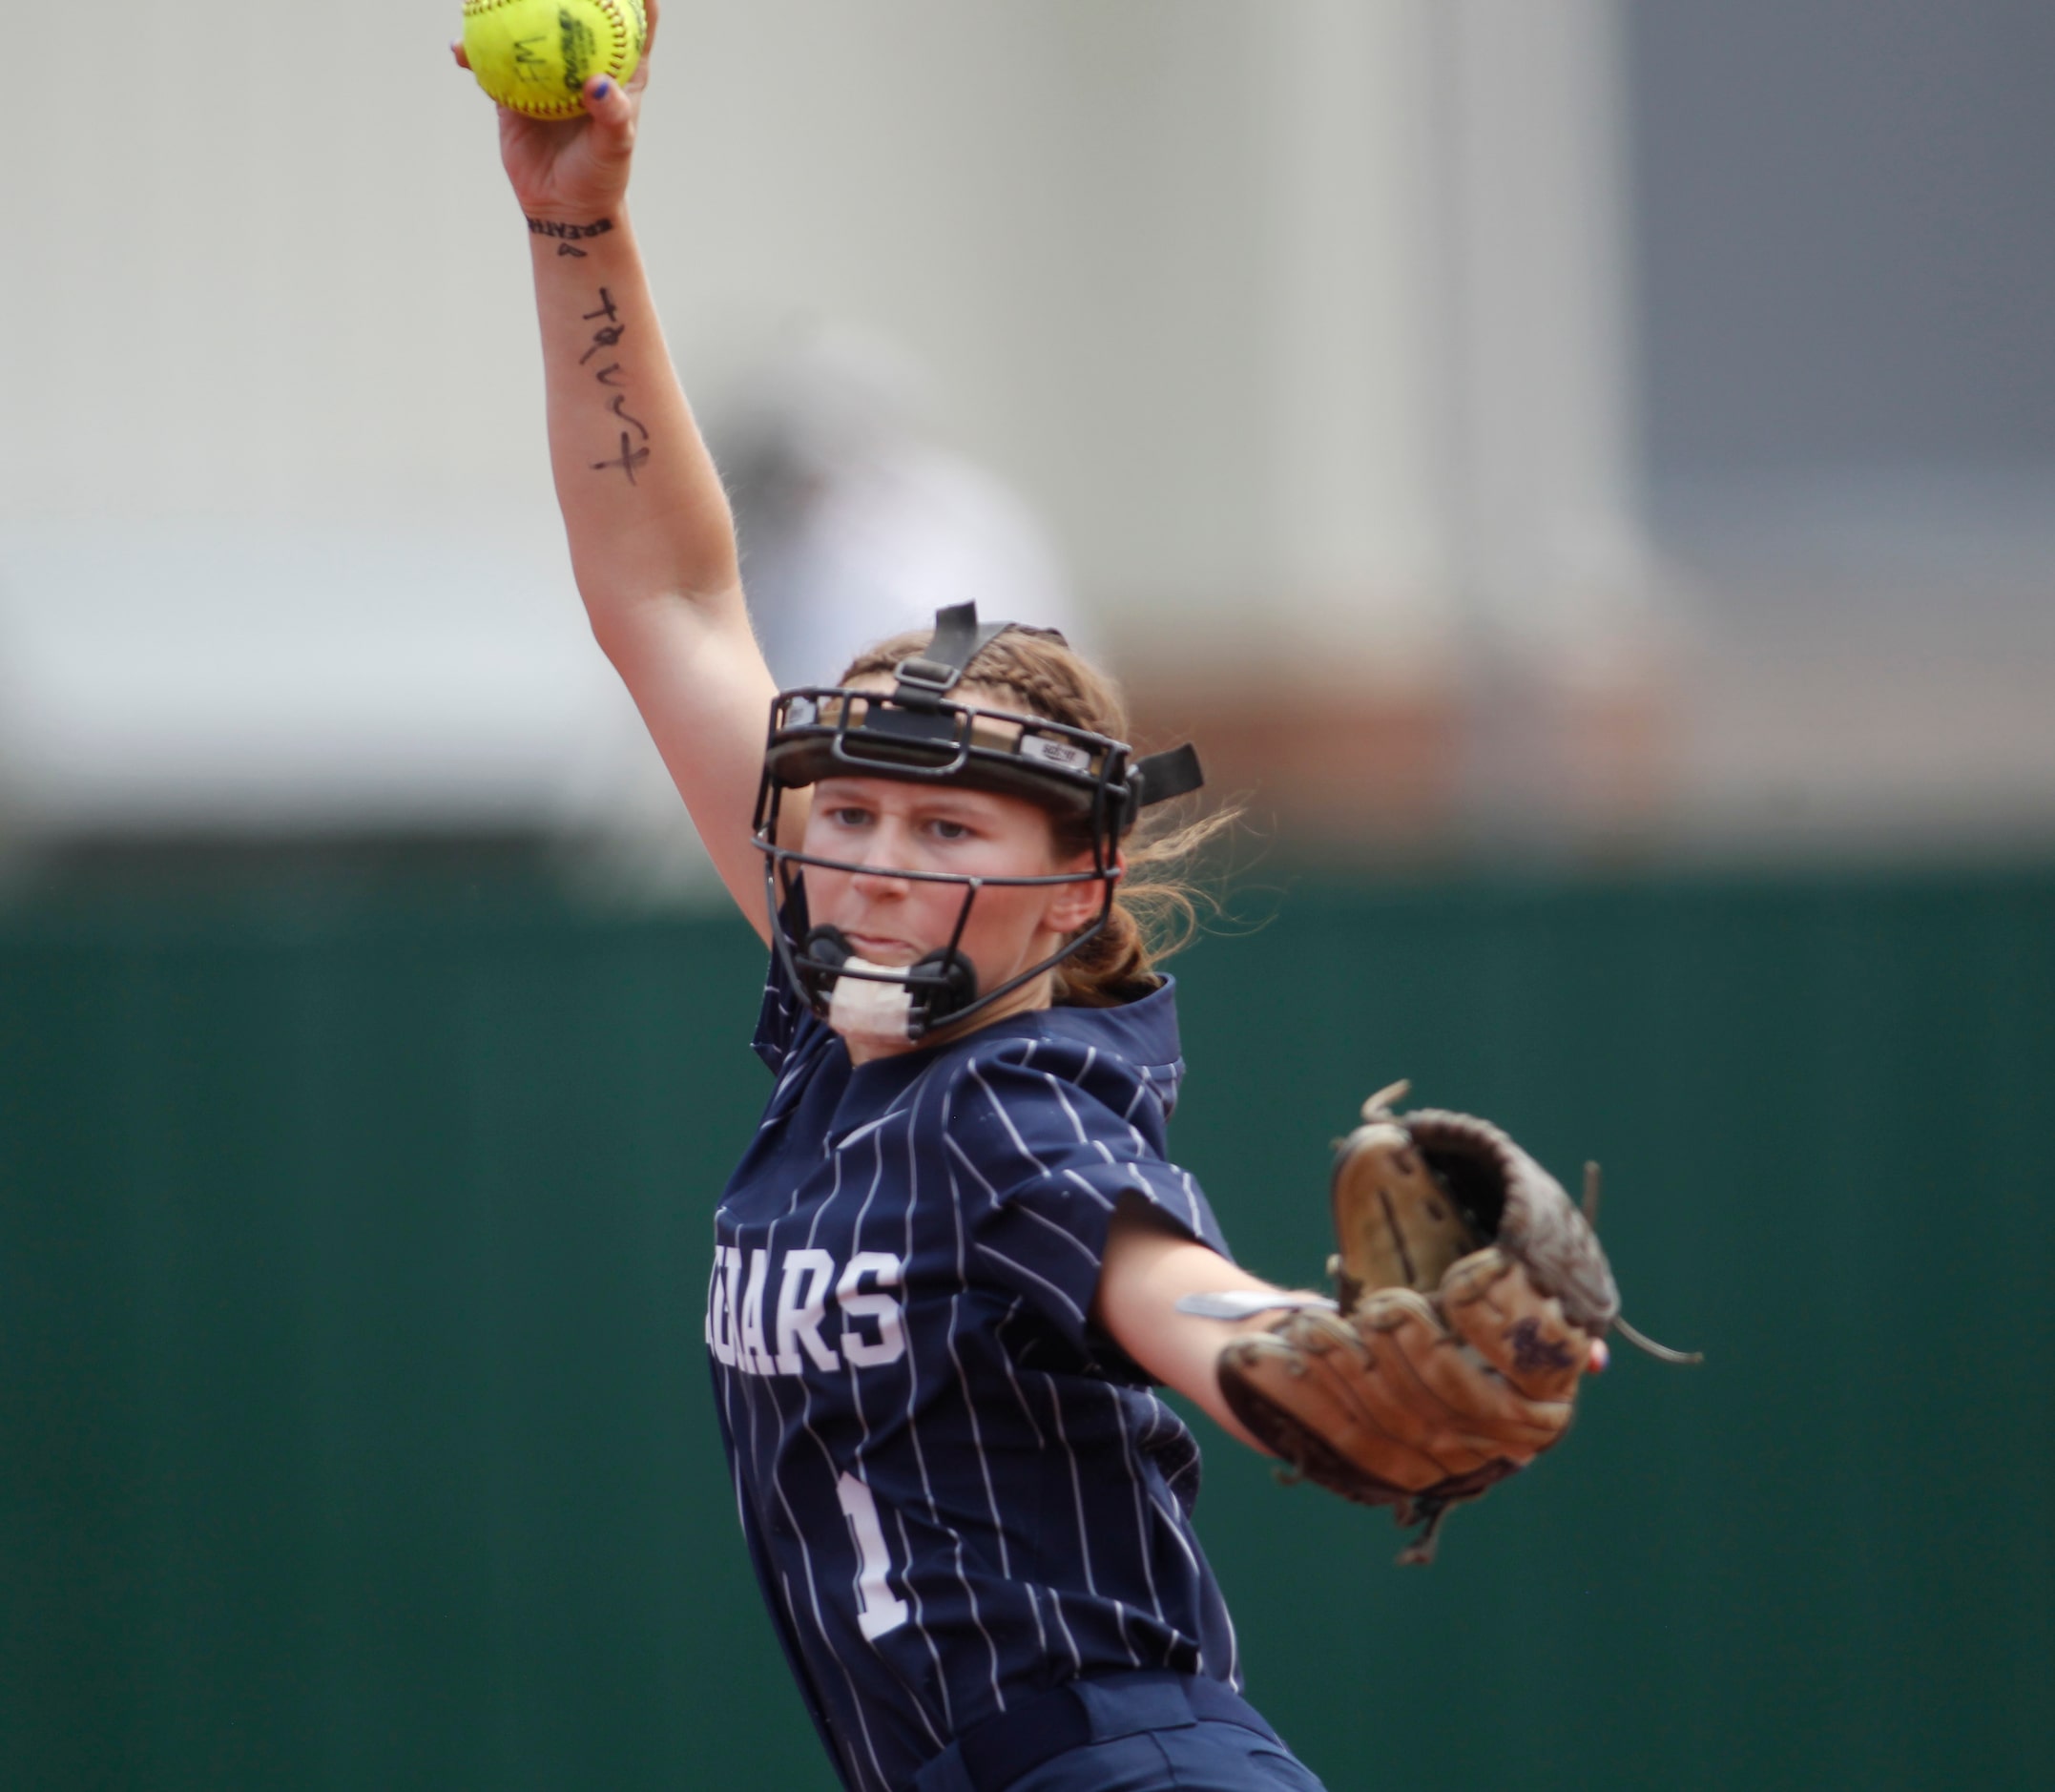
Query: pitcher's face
column 889, row 826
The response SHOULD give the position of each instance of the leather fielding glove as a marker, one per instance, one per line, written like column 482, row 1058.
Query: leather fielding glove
column 1471, row 1296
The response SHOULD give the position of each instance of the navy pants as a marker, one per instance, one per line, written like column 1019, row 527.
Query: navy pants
column 1142, row 1732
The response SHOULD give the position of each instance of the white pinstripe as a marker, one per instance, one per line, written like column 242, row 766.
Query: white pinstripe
column 1092, row 1057
column 1063, row 1101
column 833, row 1149
column 798, row 1531
column 1028, row 1274
column 827, row 1457
column 1084, row 1531
column 918, row 1625
column 806, row 1555
column 1020, row 1393
column 1006, row 1119
column 1104, row 1200
column 919, row 1455
column 1069, row 1238
column 855, row 1699
column 971, row 1409
column 856, row 1399
column 1141, row 1517
column 956, row 1151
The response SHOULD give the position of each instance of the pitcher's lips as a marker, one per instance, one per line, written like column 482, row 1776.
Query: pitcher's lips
column 881, row 950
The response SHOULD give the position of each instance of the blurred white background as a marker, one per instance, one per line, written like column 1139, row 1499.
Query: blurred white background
column 1485, row 424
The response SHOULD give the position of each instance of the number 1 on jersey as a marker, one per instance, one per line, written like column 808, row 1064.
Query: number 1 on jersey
column 878, row 1609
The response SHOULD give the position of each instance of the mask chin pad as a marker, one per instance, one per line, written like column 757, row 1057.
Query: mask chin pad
column 942, row 985
column 821, row 955
column 955, row 991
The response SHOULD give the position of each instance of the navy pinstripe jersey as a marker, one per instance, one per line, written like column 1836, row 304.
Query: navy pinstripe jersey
column 957, row 1493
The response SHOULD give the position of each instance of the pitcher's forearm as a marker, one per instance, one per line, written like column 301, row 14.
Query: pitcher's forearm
column 1148, row 1269
column 643, row 507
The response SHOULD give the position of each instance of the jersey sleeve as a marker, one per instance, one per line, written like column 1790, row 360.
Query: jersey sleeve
column 1041, row 1158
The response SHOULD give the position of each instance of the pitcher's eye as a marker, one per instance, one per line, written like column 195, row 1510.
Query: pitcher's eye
column 846, row 815
column 948, row 830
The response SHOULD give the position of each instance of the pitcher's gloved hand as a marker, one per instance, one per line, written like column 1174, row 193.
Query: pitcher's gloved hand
column 1472, row 1296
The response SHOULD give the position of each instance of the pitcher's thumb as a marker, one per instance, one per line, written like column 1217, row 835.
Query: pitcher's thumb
column 613, row 114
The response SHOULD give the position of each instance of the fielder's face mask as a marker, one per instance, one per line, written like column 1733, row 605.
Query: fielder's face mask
column 916, row 732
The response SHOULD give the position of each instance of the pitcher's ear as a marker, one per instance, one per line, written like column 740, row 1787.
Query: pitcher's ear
column 1077, row 905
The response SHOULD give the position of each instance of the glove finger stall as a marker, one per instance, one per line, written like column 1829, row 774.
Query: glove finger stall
column 1312, row 1390
column 1519, row 1205
column 1317, row 1372
column 1424, row 1384
column 1395, row 1225
column 1475, row 1396
column 1492, row 1303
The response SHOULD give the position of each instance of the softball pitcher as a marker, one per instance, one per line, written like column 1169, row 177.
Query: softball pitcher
column 956, row 1261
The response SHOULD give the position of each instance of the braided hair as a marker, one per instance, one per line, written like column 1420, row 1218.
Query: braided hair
column 1156, row 905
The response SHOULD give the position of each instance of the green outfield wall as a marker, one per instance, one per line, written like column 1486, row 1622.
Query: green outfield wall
column 354, row 1433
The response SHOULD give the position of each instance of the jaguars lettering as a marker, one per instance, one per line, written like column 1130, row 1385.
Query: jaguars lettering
column 866, row 1328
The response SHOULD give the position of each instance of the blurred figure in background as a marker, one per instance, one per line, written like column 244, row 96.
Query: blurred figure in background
column 856, row 521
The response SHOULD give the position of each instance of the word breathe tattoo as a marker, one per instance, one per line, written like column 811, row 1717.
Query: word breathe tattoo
column 569, row 235
column 634, row 456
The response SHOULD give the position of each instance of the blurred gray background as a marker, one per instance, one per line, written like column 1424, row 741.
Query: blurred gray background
column 1570, row 427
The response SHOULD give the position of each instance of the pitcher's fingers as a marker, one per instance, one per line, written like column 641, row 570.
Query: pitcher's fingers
column 640, row 78
column 461, row 56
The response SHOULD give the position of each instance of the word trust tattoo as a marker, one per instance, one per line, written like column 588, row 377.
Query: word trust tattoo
column 569, row 235
column 634, row 451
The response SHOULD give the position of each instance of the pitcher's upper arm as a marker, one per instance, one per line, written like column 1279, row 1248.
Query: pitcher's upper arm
column 699, row 679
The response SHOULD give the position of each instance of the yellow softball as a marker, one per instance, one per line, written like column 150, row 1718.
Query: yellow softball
column 536, row 55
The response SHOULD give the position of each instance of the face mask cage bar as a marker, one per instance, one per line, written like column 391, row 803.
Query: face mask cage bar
column 827, row 730
column 785, row 896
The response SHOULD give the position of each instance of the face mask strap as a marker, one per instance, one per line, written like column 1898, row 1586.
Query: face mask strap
column 927, row 678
